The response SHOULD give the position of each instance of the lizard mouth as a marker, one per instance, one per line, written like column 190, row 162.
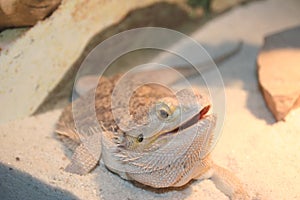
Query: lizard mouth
column 199, row 116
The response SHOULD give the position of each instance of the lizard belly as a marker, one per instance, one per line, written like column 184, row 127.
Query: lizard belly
column 174, row 175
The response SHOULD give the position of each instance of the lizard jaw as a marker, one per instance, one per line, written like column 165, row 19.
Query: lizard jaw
column 203, row 112
column 199, row 116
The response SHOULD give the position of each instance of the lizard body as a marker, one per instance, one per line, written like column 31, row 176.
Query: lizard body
column 132, row 146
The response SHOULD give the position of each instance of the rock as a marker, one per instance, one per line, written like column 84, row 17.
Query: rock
column 279, row 72
column 14, row 13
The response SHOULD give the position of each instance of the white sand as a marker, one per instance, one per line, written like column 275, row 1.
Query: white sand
column 263, row 154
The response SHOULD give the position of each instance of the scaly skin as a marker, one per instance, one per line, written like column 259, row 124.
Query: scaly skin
column 133, row 147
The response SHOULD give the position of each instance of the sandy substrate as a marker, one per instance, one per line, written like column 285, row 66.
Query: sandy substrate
column 262, row 153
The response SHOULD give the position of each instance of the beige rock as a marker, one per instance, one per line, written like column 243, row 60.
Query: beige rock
column 279, row 77
column 279, row 72
column 15, row 13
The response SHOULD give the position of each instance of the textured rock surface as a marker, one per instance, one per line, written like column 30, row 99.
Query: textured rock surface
column 15, row 13
column 279, row 71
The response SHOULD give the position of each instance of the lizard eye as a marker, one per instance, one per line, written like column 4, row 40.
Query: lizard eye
column 140, row 138
column 163, row 114
column 163, row 111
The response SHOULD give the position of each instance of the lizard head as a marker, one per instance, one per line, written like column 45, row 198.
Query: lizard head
column 166, row 117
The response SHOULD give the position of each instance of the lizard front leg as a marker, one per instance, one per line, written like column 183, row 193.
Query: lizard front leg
column 86, row 155
column 226, row 182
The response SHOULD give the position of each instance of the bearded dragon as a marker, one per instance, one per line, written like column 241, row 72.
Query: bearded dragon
column 158, row 137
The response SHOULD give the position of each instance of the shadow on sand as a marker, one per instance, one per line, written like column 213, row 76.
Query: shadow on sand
column 17, row 185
